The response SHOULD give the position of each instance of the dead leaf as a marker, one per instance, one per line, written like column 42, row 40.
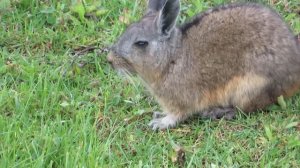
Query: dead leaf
column 292, row 125
column 183, row 130
column 100, row 118
column 179, row 157
column 64, row 104
column 124, row 18
column 281, row 102
column 95, row 84
column 298, row 126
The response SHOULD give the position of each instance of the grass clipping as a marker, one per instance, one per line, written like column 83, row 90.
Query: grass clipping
column 281, row 102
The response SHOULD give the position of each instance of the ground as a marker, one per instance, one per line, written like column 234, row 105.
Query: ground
column 61, row 105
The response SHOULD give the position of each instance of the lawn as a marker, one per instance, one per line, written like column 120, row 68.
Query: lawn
column 62, row 105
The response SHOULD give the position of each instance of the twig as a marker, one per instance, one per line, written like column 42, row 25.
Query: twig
column 83, row 51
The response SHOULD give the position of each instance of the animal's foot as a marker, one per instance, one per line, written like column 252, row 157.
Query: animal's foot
column 227, row 113
column 162, row 121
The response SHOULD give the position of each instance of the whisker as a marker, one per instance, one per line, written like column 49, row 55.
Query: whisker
column 130, row 78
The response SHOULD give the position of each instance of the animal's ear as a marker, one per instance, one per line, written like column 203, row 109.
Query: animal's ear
column 155, row 6
column 166, row 20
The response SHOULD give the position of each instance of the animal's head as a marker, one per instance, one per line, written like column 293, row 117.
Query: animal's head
column 144, row 47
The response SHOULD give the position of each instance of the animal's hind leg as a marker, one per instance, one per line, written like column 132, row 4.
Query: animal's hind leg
column 219, row 112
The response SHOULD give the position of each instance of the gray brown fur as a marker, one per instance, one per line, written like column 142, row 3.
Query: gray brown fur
column 235, row 56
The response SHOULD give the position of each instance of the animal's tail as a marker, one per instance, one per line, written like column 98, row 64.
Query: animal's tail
column 298, row 38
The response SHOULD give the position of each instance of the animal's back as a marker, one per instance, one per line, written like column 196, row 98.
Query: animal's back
column 246, row 52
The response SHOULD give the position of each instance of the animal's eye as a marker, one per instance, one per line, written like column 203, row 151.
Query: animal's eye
column 141, row 43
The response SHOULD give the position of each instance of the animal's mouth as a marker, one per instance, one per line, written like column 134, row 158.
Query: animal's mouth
column 121, row 65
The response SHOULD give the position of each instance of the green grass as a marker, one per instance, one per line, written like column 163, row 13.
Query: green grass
column 57, row 114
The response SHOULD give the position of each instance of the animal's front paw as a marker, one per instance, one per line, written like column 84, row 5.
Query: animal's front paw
column 163, row 123
column 158, row 114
